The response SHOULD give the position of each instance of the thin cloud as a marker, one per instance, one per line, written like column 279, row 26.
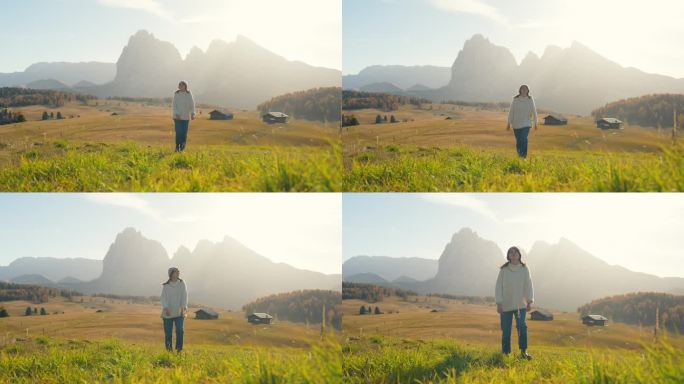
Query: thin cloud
column 152, row 7
column 125, row 200
column 474, row 7
column 462, row 201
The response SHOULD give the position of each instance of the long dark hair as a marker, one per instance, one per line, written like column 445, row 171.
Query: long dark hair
column 516, row 249
column 171, row 270
column 186, row 86
column 520, row 92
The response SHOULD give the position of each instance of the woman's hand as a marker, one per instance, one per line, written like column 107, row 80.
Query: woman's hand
column 176, row 117
column 166, row 312
column 499, row 308
column 192, row 116
column 529, row 306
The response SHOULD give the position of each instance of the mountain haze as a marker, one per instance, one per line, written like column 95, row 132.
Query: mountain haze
column 52, row 268
column 573, row 80
column 225, row 274
column 565, row 276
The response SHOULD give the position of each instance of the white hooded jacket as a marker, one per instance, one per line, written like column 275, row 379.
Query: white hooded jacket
column 183, row 105
column 174, row 297
column 514, row 287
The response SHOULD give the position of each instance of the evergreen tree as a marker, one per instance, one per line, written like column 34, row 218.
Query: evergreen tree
column 393, row 119
column 59, row 115
column 28, row 311
column 42, row 311
column 46, row 116
column 378, row 119
column 3, row 312
column 377, row 310
column 362, row 310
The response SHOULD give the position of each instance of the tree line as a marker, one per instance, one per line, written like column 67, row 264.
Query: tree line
column 21, row 97
column 32, row 293
column 304, row 306
column 372, row 293
column 9, row 117
column 467, row 299
column 640, row 309
column 352, row 100
column 318, row 104
column 656, row 111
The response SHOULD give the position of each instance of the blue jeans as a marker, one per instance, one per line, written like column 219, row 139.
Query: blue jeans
column 521, row 140
column 507, row 324
column 168, row 330
column 181, row 133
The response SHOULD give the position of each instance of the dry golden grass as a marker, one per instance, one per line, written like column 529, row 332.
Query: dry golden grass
column 487, row 129
column 141, row 323
column 479, row 324
column 153, row 125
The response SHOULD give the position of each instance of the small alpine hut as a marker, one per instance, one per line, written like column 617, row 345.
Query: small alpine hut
column 541, row 314
column 609, row 123
column 594, row 320
column 220, row 115
column 275, row 118
column 555, row 120
column 260, row 318
column 205, row 314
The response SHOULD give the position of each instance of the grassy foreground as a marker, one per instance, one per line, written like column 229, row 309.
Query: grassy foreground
column 53, row 360
column 75, row 166
column 381, row 360
column 403, row 168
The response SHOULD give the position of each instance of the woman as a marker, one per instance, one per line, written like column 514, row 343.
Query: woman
column 174, row 303
column 514, row 295
column 521, row 117
column 183, row 112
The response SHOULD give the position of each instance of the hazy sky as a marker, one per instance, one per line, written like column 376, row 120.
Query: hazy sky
column 648, row 35
column 301, row 229
column 97, row 30
column 642, row 232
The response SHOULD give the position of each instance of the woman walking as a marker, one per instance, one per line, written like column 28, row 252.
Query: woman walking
column 183, row 112
column 174, row 303
column 521, row 117
column 514, row 295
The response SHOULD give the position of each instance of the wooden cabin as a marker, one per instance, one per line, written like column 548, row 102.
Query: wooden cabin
column 275, row 118
column 555, row 120
column 260, row 318
column 609, row 123
column 206, row 314
column 220, row 115
column 541, row 314
column 594, row 320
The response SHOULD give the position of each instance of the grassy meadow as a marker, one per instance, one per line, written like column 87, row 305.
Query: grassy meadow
column 123, row 343
column 460, row 343
column 456, row 148
column 125, row 146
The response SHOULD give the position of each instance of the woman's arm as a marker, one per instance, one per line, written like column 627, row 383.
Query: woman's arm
column 529, row 287
column 163, row 299
column 534, row 113
column 510, row 115
column 176, row 112
column 184, row 297
column 192, row 107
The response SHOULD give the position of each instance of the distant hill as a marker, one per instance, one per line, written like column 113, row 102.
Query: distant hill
column 319, row 104
column 640, row 309
column 400, row 76
column 646, row 111
column 372, row 292
column 469, row 265
column 573, row 80
column 48, row 84
column 364, row 278
column 383, row 87
column 33, row 279
column 52, row 268
column 66, row 73
column 307, row 306
column 390, row 268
